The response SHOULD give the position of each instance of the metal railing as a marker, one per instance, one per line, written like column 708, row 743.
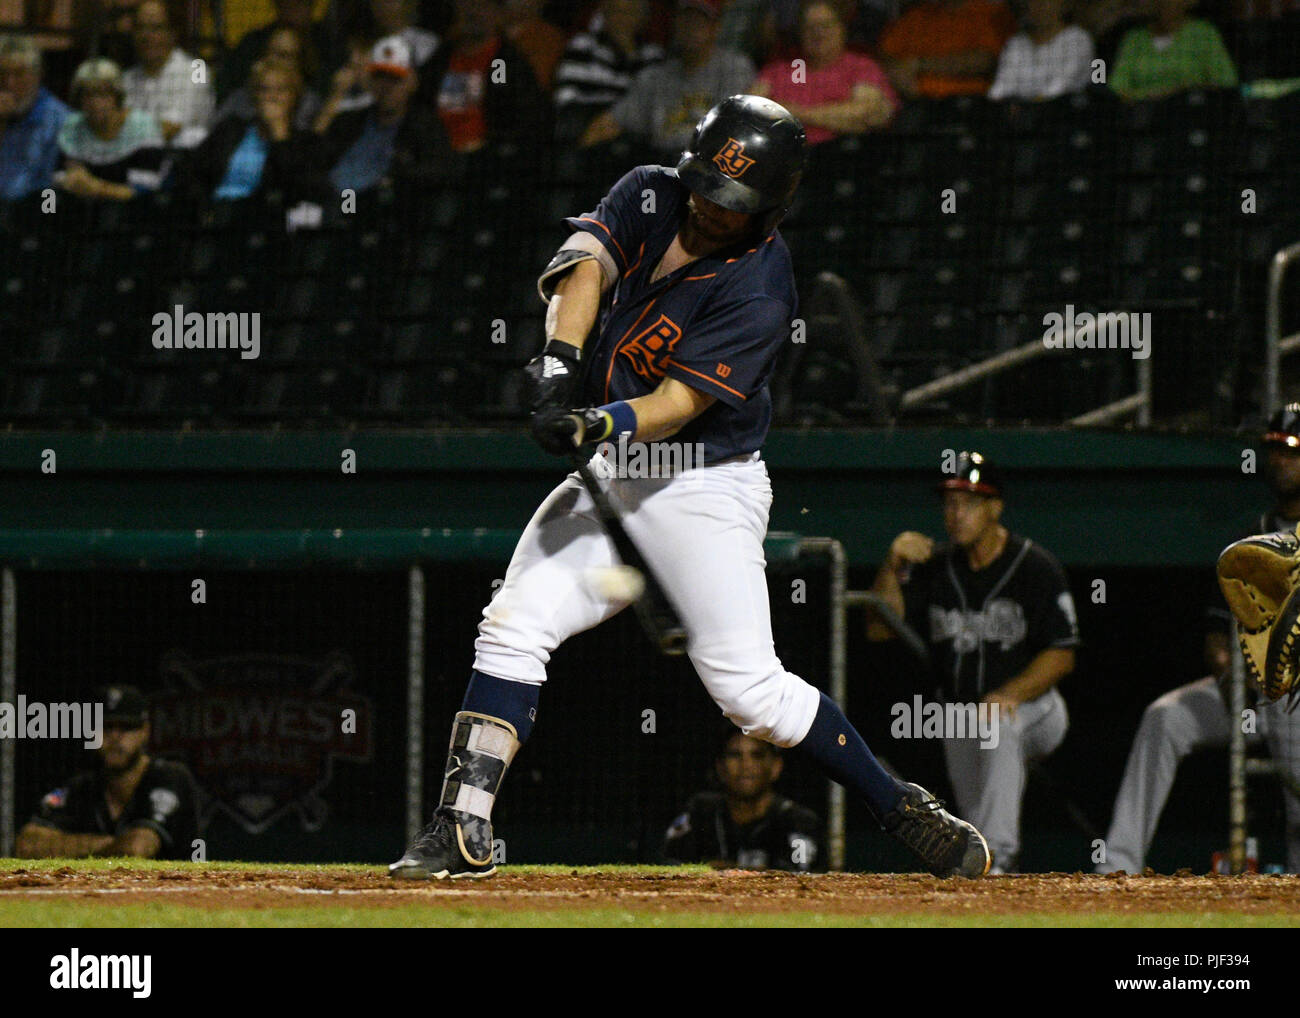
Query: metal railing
column 1277, row 346
column 1137, row 405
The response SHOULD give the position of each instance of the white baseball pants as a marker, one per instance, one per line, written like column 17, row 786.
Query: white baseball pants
column 702, row 533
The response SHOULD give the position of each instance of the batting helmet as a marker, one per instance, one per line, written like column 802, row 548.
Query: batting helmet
column 974, row 473
column 1284, row 427
column 747, row 156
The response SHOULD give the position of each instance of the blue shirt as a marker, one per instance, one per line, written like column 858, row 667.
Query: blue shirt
column 366, row 161
column 244, row 171
column 29, row 148
column 716, row 324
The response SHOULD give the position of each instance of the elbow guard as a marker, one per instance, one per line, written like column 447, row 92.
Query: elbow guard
column 564, row 260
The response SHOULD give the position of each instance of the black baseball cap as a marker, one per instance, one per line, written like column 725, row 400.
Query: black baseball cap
column 124, row 705
column 1284, row 427
column 974, row 473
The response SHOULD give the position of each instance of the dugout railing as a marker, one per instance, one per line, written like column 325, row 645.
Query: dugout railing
column 295, row 625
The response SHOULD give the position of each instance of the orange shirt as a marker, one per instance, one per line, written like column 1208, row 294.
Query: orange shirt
column 933, row 28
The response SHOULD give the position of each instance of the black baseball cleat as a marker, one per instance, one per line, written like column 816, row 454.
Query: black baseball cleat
column 949, row 847
column 440, row 852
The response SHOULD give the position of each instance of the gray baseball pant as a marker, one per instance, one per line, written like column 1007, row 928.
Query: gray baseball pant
column 1184, row 720
column 989, row 782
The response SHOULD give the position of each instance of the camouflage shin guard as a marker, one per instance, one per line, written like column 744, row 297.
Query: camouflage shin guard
column 480, row 753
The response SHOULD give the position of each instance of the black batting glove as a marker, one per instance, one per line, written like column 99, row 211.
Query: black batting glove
column 560, row 432
column 551, row 378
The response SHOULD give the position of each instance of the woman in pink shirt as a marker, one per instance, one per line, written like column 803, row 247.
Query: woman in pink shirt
column 831, row 90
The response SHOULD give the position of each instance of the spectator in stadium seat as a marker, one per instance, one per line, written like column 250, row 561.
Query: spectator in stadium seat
column 667, row 100
column 1047, row 58
column 295, row 14
column 130, row 804
column 941, row 48
column 390, row 139
column 599, row 64
column 485, row 87
column 30, row 121
column 163, row 83
column 290, row 46
column 541, row 43
column 837, row 92
column 1172, row 53
column 748, row 27
column 108, row 150
column 241, row 158
column 747, row 825
column 397, row 17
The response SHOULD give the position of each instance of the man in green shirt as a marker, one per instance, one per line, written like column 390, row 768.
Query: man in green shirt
column 1173, row 53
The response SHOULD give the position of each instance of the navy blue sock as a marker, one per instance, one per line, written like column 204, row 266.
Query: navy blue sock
column 515, row 702
column 837, row 746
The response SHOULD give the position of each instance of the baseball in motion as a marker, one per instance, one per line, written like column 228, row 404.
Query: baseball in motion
column 617, row 583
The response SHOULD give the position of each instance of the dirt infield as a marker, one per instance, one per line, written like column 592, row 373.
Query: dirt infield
column 215, row 887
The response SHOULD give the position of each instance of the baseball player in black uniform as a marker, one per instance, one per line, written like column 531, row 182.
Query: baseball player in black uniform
column 690, row 288
column 998, row 618
column 1195, row 716
column 748, row 824
column 132, row 804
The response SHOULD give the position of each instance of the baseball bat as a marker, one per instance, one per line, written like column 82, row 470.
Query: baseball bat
column 655, row 612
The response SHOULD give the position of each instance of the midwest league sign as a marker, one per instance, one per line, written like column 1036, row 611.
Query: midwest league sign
column 261, row 732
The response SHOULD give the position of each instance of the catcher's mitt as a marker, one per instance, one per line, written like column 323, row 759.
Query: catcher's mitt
column 1260, row 579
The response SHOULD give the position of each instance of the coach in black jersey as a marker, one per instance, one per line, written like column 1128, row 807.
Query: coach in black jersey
column 999, row 621
column 130, row 805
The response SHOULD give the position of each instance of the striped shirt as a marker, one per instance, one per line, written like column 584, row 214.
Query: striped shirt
column 594, row 73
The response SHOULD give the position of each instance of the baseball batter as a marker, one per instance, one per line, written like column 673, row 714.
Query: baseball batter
column 1195, row 716
column 689, row 284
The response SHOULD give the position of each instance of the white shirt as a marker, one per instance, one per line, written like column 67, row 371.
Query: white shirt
column 1059, row 66
column 171, row 95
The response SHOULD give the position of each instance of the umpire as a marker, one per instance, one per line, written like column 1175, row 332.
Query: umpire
column 999, row 622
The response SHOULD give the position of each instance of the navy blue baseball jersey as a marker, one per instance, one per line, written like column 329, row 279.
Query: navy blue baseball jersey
column 983, row 628
column 716, row 324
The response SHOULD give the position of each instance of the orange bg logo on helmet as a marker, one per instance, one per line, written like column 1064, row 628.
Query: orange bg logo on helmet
column 732, row 160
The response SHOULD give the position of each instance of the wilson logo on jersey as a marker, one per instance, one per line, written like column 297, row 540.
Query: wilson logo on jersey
column 648, row 350
column 732, row 160
column 722, row 370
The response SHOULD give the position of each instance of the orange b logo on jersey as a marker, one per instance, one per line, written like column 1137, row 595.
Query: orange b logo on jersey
column 732, row 160
column 648, row 350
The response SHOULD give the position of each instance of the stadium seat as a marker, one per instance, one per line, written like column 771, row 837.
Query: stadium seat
column 443, row 390
column 52, row 395
column 172, row 395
